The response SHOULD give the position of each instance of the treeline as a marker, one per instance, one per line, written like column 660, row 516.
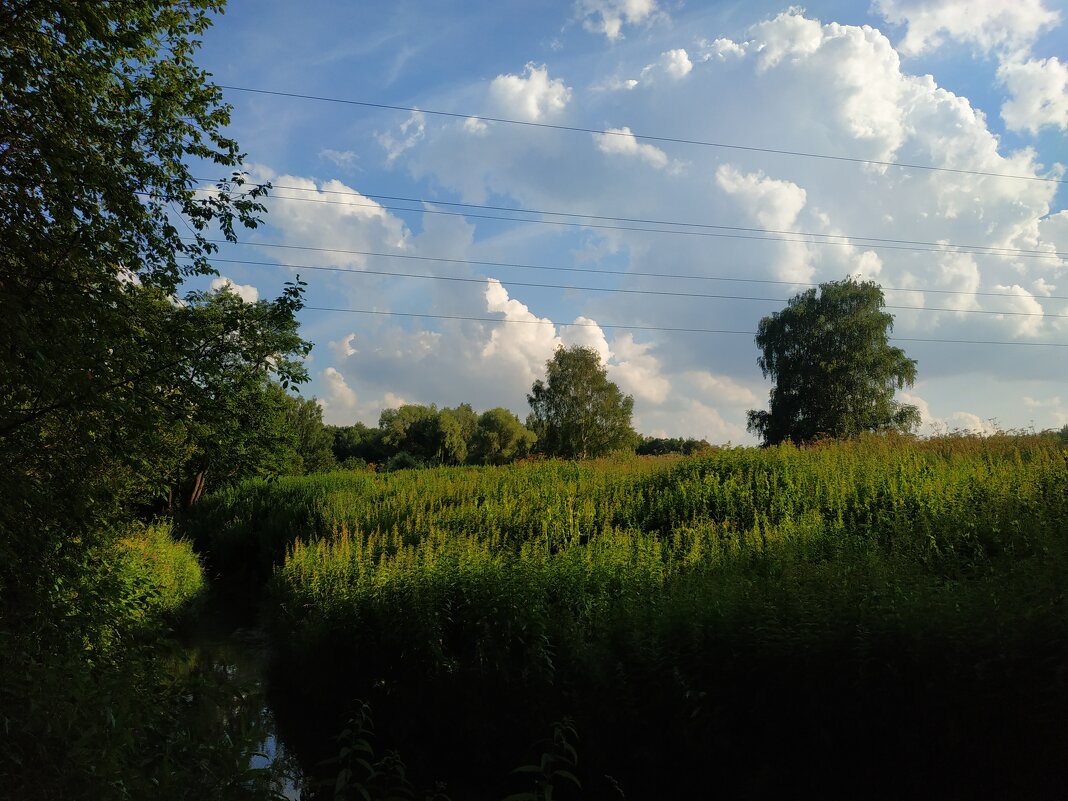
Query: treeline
column 420, row 435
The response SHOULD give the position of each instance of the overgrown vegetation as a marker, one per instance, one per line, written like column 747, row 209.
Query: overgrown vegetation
column 813, row 617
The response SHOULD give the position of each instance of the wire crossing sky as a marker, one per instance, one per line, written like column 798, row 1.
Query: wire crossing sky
column 684, row 160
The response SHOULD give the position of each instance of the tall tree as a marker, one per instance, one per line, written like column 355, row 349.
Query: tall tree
column 835, row 373
column 108, row 381
column 576, row 412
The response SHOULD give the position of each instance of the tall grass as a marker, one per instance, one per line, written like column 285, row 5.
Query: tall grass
column 788, row 596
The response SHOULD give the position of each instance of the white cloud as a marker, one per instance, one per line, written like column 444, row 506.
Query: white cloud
column 775, row 204
column 347, row 220
column 587, row 334
column 1027, row 322
column 790, row 34
column 615, row 84
column 721, row 49
column 474, row 125
column 970, row 423
column 637, row 371
column 532, row 96
column 246, row 292
column 1001, row 25
column 527, row 343
column 1039, row 94
column 620, row 141
column 340, row 398
column 609, row 16
column 676, row 63
column 346, row 347
column 407, row 136
column 345, row 159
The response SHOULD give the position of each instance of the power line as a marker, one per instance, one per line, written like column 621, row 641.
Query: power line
column 646, row 137
column 618, row 290
column 874, row 245
column 689, row 276
column 858, row 241
column 651, row 327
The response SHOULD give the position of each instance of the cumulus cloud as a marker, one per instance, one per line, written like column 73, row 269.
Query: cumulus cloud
column 1037, row 88
column 340, row 398
column 673, row 63
column 720, row 49
column 1028, row 312
column 247, row 292
column 775, row 204
column 532, row 96
column 609, row 16
column 620, row 141
column 347, row 220
column 990, row 25
column 790, row 35
column 637, row 371
column 1038, row 94
column 526, row 345
column 407, row 136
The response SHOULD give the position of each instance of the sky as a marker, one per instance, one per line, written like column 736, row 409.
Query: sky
column 668, row 173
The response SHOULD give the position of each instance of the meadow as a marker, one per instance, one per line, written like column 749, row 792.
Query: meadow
column 878, row 617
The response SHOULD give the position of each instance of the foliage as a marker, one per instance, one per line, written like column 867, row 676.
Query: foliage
column 413, row 435
column 116, row 395
column 576, row 412
column 834, row 372
column 659, row 446
column 900, row 580
column 500, row 438
column 314, row 442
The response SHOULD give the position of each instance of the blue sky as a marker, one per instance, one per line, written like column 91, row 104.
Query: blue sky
column 386, row 212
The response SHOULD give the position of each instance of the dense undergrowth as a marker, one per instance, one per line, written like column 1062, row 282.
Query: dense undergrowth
column 101, row 704
column 878, row 616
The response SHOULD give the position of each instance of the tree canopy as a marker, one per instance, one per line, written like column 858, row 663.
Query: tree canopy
column 576, row 412
column 835, row 373
column 114, row 390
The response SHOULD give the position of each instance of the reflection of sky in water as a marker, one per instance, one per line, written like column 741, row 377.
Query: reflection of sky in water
column 267, row 752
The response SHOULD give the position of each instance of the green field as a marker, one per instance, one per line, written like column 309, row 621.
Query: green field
column 877, row 617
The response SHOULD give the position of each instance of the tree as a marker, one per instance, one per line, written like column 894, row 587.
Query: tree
column 111, row 388
column 576, row 412
column 114, row 389
column 500, row 438
column 313, row 443
column 835, row 373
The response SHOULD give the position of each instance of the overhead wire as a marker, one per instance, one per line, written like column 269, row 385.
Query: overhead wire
column 850, row 239
column 646, row 137
column 628, row 327
column 619, row 290
column 607, row 271
column 871, row 244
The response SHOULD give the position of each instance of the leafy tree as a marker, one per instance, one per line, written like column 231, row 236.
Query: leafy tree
column 576, row 412
column 456, row 428
column 500, row 438
column 835, row 373
column 412, row 428
column 313, row 443
column 358, row 445
column 113, row 391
